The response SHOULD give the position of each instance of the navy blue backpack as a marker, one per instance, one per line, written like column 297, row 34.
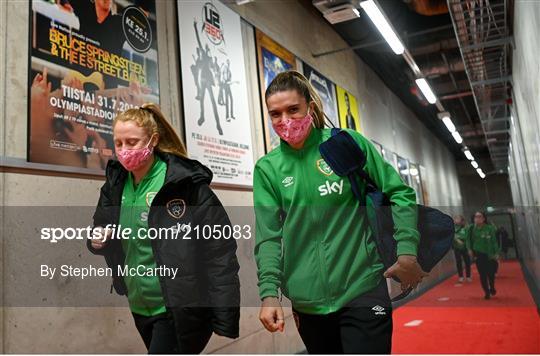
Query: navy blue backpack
column 436, row 229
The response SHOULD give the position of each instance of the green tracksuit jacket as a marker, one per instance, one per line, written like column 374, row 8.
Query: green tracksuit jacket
column 461, row 235
column 144, row 292
column 313, row 240
column 484, row 240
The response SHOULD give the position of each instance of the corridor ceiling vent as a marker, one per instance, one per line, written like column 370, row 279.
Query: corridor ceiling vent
column 483, row 32
column 336, row 11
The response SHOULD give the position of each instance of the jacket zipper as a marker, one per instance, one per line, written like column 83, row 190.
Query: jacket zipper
column 116, row 220
column 157, row 257
column 153, row 243
column 324, row 278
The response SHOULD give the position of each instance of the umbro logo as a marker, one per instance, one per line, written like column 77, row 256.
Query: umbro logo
column 378, row 310
column 288, row 181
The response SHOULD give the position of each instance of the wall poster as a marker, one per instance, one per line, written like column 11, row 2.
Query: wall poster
column 349, row 116
column 326, row 90
column 273, row 59
column 88, row 61
column 215, row 96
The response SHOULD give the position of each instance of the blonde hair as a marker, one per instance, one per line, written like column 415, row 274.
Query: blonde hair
column 150, row 117
column 293, row 80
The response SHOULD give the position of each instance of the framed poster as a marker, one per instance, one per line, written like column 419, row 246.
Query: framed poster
column 416, row 182
column 88, row 61
column 326, row 90
column 425, row 189
column 389, row 156
column 272, row 60
column 378, row 146
column 349, row 116
column 403, row 169
column 215, row 97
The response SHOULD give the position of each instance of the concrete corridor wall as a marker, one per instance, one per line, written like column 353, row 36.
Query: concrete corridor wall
column 524, row 166
column 294, row 24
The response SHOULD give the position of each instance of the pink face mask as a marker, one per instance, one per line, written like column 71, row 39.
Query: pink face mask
column 135, row 158
column 293, row 131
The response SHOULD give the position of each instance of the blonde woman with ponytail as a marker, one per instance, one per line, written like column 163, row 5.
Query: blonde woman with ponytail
column 180, row 288
column 313, row 241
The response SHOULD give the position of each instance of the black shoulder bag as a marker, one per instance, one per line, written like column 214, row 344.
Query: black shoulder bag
column 436, row 229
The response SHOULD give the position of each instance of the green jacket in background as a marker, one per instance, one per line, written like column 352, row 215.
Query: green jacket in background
column 313, row 241
column 484, row 240
column 461, row 234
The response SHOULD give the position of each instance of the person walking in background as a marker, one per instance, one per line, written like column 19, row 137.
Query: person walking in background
column 461, row 246
column 312, row 242
column 485, row 248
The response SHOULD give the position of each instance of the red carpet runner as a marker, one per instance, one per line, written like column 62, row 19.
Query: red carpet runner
column 454, row 318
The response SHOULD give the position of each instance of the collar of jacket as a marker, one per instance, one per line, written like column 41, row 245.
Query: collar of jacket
column 314, row 138
column 178, row 169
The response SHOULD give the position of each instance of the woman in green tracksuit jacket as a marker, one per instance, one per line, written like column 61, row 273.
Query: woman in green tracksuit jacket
column 312, row 238
column 486, row 250
column 152, row 190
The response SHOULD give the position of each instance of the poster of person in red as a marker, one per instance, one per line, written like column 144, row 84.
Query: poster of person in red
column 89, row 60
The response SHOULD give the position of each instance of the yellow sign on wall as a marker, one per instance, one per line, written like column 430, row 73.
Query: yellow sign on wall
column 349, row 116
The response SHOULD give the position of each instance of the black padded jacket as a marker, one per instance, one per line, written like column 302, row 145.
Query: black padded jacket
column 206, row 290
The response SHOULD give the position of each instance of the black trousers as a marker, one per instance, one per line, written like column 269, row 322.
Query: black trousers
column 486, row 269
column 462, row 256
column 363, row 326
column 160, row 335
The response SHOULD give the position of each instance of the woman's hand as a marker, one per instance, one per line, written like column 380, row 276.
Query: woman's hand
column 271, row 315
column 407, row 270
column 100, row 237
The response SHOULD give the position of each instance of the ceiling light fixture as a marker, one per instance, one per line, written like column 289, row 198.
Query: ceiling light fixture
column 426, row 90
column 457, row 137
column 379, row 20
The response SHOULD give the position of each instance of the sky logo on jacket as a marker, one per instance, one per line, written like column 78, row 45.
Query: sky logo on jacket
column 144, row 216
column 331, row 187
